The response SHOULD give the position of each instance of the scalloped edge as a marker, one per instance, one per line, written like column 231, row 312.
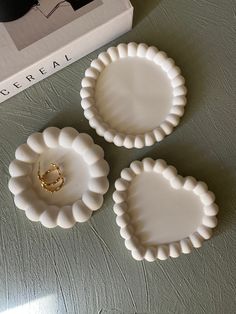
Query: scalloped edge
column 172, row 249
column 26, row 198
column 142, row 51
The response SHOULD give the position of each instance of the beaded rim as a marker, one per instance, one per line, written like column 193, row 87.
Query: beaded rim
column 27, row 199
column 172, row 249
column 102, row 128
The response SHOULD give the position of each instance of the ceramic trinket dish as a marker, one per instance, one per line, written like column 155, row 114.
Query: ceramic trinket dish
column 59, row 177
column 133, row 95
column 161, row 213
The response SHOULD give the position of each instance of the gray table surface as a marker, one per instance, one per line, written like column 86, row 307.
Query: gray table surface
column 87, row 269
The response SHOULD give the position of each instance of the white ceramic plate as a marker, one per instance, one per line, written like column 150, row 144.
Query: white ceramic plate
column 160, row 213
column 133, row 95
column 82, row 165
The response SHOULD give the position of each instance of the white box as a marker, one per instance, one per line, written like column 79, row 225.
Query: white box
column 36, row 46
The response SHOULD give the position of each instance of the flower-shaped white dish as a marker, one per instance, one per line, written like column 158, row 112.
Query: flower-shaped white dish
column 160, row 213
column 133, row 95
column 83, row 168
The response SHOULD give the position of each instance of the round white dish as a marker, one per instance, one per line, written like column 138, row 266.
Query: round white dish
column 133, row 95
column 160, row 213
column 82, row 165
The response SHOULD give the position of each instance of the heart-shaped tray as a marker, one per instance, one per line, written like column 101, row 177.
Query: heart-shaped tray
column 160, row 213
column 83, row 169
column 133, row 95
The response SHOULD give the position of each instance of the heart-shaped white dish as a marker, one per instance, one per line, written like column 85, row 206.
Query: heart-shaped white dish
column 133, row 95
column 160, row 213
column 82, row 165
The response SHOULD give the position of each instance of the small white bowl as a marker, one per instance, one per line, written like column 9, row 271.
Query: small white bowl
column 82, row 165
column 160, row 213
column 133, row 95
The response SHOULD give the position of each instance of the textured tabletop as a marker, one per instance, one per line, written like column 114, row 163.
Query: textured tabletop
column 87, row 269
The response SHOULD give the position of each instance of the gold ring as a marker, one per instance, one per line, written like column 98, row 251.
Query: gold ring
column 51, row 180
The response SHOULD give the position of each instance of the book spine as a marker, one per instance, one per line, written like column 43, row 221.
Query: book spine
column 66, row 55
